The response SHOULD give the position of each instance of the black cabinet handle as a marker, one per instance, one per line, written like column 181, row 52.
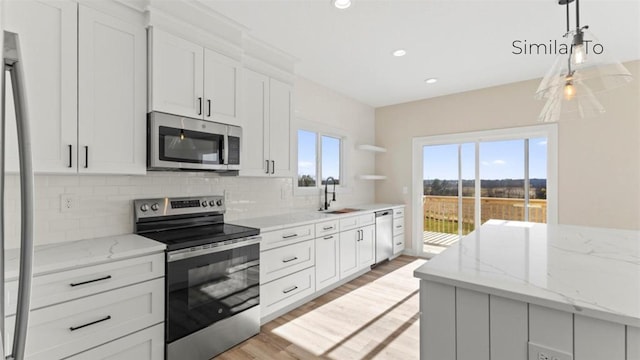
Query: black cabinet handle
column 289, row 289
column 86, row 157
column 328, row 237
column 273, row 166
column 91, row 281
column 289, row 236
column 70, row 156
column 209, row 106
column 289, row 259
column 74, row 328
column 327, row 228
column 200, row 106
column 267, row 161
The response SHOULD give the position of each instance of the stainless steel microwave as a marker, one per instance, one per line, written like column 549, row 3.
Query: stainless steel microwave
column 182, row 143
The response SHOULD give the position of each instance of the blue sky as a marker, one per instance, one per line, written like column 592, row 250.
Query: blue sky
column 498, row 160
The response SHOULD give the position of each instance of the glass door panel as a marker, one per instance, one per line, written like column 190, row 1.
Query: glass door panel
column 538, row 180
column 502, row 180
column 468, row 176
column 440, row 197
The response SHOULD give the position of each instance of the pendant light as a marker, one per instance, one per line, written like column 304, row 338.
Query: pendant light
column 569, row 87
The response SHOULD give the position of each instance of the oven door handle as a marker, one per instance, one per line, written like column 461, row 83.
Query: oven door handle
column 188, row 253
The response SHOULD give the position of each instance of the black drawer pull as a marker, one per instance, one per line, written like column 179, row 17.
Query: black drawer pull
column 289, row 289
column 70, row 155
column 74, row 328
column 398, row 226
column 399, row 244
column 289, row 259
column 327, row 228
column 90, row 281
column 289, row 236
column 328, row 237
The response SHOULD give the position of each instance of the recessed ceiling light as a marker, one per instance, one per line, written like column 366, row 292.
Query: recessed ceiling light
column 399, row 52
column 431, row 81
column 342, row 4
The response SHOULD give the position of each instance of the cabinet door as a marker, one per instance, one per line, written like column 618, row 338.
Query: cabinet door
column 176, row 75
column 48, row 40
column 280, row 109
column 349, row 252
column 220, row 88
column 112, row 90
column 255, row 136
column 327, row 260
column 367, row 247
column 147, row 344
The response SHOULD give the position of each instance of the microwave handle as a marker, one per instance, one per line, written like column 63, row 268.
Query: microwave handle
column 225, row 150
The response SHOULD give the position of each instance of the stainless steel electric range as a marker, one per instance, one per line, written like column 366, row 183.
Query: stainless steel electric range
column 212, row 274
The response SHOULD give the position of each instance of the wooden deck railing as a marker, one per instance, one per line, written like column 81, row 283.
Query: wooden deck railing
column 440, row 213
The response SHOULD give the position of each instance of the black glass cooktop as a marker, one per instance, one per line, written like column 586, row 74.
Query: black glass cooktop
column 200, row 235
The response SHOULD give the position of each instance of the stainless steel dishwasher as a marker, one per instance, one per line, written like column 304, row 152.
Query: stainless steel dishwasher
column 384, row 235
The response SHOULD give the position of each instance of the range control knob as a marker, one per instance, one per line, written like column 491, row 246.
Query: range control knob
column 219, row 202
column 144, row 207
column 204, row 204
column 155, row 207
column 212, row 203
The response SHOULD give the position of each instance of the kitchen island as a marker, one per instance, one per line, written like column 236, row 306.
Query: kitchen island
column 515, row 290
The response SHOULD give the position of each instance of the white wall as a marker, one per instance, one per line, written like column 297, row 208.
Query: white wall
column 104, row 202
column 598, row 158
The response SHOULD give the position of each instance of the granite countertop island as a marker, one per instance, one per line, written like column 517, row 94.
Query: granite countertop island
column 594, row 272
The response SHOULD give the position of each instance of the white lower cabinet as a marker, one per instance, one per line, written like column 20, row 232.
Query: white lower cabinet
column 327, row 256
column 147, row 344
column 285, row 291
column 112, row 310
column 357, row 250
column 459, row 324
column 398, row 230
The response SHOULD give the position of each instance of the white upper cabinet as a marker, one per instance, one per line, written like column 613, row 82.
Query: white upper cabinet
column 48, row 39
column 66, row 48
column 112, row 93
column 190, row 80
column 266, row 113
column 176, row 75
column 220, row 88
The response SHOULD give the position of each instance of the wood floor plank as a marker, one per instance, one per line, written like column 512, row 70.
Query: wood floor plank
column 372, row 317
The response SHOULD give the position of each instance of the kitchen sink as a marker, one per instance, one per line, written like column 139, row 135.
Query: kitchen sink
column 343, row 211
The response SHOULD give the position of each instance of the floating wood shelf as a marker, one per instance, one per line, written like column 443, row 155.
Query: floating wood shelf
column 373, row 148
column 372, row 177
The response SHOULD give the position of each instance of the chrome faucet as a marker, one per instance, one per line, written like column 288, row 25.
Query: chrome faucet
column 326, row 192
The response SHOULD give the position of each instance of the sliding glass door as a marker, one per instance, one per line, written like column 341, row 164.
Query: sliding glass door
column 467, row 179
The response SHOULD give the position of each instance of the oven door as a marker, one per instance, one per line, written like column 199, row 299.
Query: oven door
column 210, row 284
column 184, row 143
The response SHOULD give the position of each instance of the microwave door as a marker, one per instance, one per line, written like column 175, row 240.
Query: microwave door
column 232, row 147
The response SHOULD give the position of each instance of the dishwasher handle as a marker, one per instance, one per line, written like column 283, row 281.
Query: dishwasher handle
column 383, row 213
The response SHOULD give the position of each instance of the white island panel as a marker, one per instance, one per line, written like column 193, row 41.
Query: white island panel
column 509, row 329
column 596, row 339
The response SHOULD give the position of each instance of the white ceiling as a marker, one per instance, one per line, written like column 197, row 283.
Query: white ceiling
column 465, row 44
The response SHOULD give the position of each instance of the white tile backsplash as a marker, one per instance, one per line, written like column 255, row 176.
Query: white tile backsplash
column 104, row 203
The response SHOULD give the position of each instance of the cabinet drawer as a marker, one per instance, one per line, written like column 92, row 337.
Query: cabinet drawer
column 282, row 237
column 357, row 221
column 398, row 243
column 63, row 286
column 147, row 344
column 278, row 262
column 287, row 290
column 398, row 212
column 398, row 226
column 326, row 228
column 65, row 329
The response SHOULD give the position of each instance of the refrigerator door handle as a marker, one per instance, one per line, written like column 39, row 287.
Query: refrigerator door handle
column 13, row 62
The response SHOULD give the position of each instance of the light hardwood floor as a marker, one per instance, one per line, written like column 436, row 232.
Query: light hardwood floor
column 372, row 317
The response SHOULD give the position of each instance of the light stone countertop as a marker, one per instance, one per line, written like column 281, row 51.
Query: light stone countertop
column 589, row 271
column 73, row 254
column 283, row 221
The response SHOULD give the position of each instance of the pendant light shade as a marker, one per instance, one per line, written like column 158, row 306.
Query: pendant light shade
column 586, row 69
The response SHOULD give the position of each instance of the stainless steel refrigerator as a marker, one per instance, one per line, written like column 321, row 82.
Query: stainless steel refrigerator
column 13, row 71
